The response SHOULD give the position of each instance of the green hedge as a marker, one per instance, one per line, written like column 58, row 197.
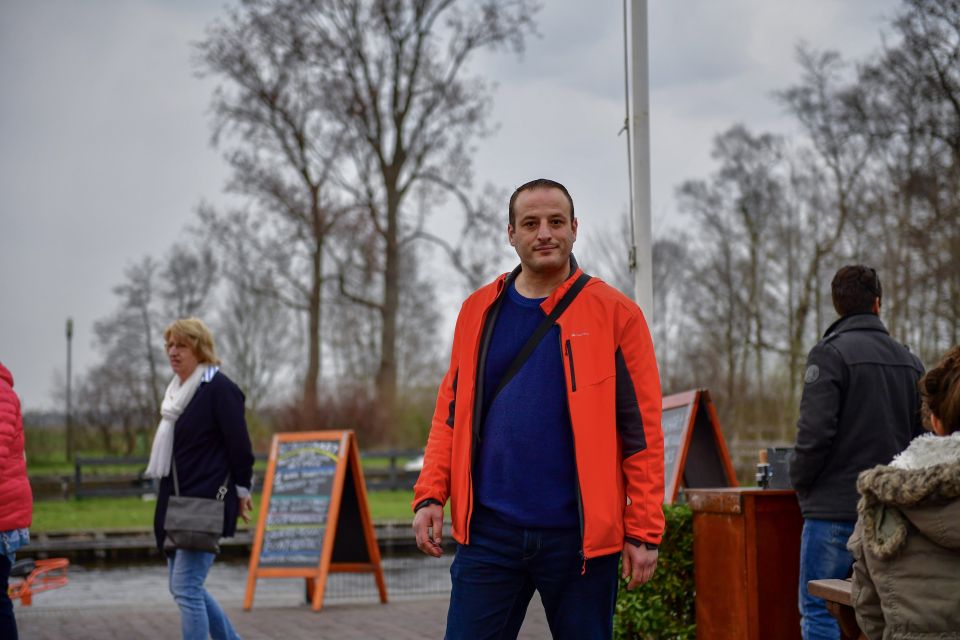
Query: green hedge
column 663, row 608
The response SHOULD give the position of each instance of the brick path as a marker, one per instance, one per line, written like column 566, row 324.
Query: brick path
column 402, row 620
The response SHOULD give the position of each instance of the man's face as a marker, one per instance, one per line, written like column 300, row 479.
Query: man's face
column 543, row 234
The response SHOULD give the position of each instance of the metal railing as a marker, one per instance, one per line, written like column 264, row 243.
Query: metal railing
column 87, row 485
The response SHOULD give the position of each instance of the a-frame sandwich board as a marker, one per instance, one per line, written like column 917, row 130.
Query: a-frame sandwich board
column 695, row 452
column 314, row 518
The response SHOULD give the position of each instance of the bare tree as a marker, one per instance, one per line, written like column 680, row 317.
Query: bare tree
column 914, row 112
column 829, row 180
column 282, row 146
column 355, row 339
column 130, row 337
column 188, row 277
column 124, row 389
column 399, row 84
column 256, row 338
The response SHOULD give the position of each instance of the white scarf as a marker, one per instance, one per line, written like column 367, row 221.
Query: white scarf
column 175, row 399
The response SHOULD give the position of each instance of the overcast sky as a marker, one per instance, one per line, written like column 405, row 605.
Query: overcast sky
column 104, row 132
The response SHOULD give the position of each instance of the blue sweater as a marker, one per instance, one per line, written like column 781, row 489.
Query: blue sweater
column 526, row 471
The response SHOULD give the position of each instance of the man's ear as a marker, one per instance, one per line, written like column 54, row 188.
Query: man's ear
column 876, row 306
column 510, row 239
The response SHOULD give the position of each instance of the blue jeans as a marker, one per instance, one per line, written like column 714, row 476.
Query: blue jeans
column 200, row 615
column 495, row 576
column 8, row 624
column 823, row 554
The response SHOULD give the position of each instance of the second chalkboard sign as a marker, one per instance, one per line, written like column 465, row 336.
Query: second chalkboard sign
column 694, row 451
column 314, row 517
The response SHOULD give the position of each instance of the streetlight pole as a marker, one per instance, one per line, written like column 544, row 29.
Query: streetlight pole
column 69, row 354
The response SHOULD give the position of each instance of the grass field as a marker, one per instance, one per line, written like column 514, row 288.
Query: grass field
column 123, row 513
column 60, row 467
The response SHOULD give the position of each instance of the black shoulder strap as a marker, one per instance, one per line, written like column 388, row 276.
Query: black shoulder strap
column 521, row 358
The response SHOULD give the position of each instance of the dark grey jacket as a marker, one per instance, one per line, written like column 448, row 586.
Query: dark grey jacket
column 860, row 407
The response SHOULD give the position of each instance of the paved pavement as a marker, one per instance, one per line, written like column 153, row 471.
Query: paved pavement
column 401, row 620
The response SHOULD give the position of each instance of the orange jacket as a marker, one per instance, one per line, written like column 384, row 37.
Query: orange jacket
column 613, row 392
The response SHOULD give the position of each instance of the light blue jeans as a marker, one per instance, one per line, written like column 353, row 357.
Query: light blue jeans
column 823, row 554
column 200, row 615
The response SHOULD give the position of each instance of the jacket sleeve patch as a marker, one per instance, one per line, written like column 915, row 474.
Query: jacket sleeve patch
column 812, row 374
column 629, row 420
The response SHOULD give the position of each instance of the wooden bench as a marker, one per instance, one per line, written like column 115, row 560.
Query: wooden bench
column 836, row 593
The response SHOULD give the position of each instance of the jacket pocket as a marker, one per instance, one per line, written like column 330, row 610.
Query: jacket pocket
column 585, row 361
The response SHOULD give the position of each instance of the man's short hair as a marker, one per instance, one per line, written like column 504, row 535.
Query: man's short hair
column 539, row 183
column 854, row 289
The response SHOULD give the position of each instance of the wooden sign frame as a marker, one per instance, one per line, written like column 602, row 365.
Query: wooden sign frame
column 702, row 426
column 348, row 480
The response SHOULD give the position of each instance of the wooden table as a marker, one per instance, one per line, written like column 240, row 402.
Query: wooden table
column 836, row 593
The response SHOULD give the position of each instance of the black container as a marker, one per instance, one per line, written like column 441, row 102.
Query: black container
column 779, row 460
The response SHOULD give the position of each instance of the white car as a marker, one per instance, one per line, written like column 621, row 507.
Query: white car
column 415, row 464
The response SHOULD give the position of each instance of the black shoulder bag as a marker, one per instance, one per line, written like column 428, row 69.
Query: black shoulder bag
column 545, row 325
column 194, row 523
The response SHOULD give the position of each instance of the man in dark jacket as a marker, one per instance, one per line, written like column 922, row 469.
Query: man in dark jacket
column 860, row 407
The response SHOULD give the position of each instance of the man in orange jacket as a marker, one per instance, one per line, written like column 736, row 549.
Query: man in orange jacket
column 546, row 440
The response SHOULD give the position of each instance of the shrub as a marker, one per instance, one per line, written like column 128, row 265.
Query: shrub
column 663, row 608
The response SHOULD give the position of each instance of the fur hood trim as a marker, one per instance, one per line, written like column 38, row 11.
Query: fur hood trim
column 926, row 476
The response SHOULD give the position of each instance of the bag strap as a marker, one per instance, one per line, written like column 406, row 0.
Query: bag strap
column 545, row 325
column 221, row 492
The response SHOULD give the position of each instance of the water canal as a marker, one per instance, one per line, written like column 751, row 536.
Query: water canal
column 95, row 584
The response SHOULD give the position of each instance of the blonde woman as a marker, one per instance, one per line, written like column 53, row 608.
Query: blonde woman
column 202, row 429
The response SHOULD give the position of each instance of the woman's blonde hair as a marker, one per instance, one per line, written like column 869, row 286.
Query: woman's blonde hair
column 197, row 335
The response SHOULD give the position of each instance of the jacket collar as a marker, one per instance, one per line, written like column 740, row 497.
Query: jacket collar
column 506, row 279
column 856, row 322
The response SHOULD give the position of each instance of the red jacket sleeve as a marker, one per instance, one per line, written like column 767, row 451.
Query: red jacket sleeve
column 643, row 470
column 434, row 480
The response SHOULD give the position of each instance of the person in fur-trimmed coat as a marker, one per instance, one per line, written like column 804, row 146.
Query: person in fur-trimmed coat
column 906, row 544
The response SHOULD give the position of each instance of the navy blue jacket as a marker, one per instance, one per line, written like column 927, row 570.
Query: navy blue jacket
column 860, row 407
column 209, row 439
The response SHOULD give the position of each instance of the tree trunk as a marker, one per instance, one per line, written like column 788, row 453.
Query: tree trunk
column 387, row 372
column 310, row 413
column 310, row 409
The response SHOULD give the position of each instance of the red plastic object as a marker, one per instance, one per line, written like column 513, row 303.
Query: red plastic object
column 47, row 574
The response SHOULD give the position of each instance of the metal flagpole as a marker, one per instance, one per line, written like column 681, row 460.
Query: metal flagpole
column 640, row 151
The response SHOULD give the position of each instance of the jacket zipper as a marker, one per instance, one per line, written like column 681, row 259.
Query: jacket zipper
column 573, row 376
column 477, row 397
column 576, row 470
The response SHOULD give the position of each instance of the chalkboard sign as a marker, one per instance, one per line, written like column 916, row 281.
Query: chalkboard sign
column 694, row 451
column 299, row 503
column 314, row 517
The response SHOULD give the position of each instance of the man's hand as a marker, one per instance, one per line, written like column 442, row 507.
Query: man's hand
column 639, row 563
column 246, row 507
column 426, row 523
